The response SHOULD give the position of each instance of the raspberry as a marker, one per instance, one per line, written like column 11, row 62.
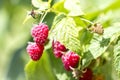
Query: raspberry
column 87, row 75
column 70, row 59
column 40, row 33
column 58, row 49
column 35, row 51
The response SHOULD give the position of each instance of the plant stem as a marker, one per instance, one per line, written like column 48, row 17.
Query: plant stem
column 87, row 20
column 43, row 16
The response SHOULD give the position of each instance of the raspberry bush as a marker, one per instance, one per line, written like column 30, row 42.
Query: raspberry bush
column 80, row 43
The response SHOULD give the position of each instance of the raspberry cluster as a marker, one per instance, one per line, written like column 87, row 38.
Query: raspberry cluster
column 35, row 49
column 69, row 59
column 39, row 34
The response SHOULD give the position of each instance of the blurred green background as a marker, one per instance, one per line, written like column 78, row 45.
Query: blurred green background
column 14, row 36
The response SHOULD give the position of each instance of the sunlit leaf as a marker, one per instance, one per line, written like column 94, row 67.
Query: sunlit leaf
column 63, row 76
column 49, row 1
column 58, row 68
column 39, row 70
column 65, row 30
column 117, row 57
column 95, row 5
column 87, row 58
column 85, row 37
column 74, row 7
column 41, row 5
column 100, row 43
column 59, row 7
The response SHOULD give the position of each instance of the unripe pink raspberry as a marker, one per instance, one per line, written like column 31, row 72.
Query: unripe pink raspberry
column 35, row 51
column 58, row 49
column 40, row 33
column 70, row 59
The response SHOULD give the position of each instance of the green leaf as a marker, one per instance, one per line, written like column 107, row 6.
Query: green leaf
column 39, row 70
column 100, row 43
column 117, row 57
column 65, row 30
column 62, row 76
column 49, row 1
column 59, row 7
column 95, row 5
column 74, row 7
column 86, row 59
column 58, row 19
column 58, row 68
column 41, row 5
column 114, row 5
column 79, row 22
column 108, row 18
column 85, row 37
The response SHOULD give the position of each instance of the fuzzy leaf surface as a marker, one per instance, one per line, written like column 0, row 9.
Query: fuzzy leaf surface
column 100, row 43
column 74, row 7
column 117, row 57
column 65, row 30
column 41, row 5
column 36, row 70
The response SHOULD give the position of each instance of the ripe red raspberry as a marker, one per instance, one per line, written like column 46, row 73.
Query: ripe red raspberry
column 87, row 75
column 58, row 49
column 40, row 33
column 35, row 51
column 70, row 59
